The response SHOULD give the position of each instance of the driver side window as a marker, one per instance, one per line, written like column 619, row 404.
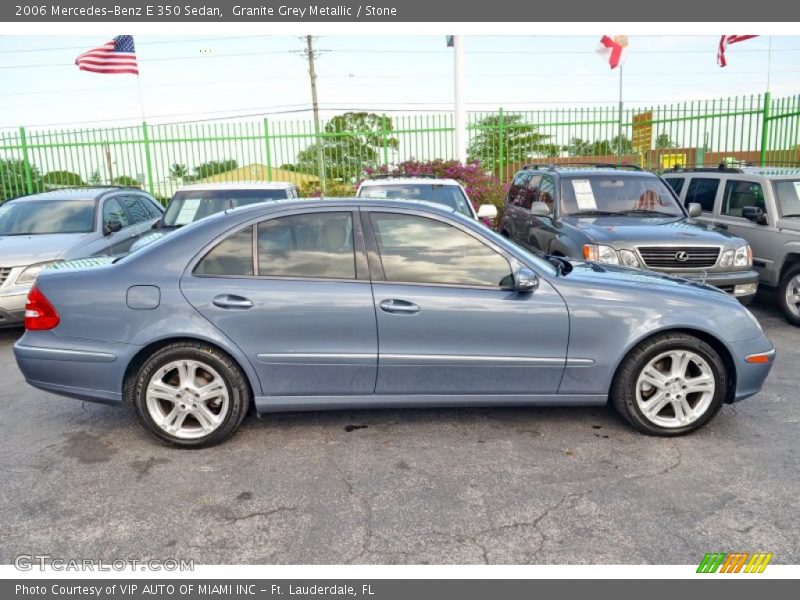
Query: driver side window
column 113, row 211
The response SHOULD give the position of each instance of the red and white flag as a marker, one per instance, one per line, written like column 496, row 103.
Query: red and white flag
column 116, row 56
column 614, row 50
column 724, row 41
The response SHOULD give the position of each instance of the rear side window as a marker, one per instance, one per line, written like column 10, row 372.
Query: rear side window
column 703, row 191
column 316, row 245
column 232, row 256
column 676, row 183
column 739, row 194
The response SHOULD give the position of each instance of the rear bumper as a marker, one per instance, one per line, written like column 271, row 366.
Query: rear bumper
column 91, row 371
column 12, row 308
column 750, row 377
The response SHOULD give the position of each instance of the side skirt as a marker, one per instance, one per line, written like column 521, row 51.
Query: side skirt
column 266, row 404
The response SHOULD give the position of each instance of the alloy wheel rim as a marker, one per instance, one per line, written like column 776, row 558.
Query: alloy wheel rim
column 793, row 295
column 187, row 399
column 675, row 388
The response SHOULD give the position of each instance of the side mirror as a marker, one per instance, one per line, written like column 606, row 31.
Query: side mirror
column 695, row 210
column 755, row 214
column 540, row 209
column 525, row 280
column 112, row 226
column 487, row 211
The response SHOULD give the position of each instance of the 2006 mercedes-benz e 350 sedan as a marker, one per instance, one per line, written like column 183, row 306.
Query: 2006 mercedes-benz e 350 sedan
column 306, row 305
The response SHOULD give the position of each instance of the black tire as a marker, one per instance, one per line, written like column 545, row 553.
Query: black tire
column 790, row 274
column 623, row 388
column 239, row 394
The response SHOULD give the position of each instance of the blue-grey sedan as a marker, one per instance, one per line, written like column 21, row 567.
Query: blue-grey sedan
column 351, row 303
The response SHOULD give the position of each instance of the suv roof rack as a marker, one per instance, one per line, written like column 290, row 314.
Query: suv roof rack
column 401, row 175
column 705, row 169
column 588, row 165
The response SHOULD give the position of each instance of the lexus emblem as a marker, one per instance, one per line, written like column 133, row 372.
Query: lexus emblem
column 682, row 256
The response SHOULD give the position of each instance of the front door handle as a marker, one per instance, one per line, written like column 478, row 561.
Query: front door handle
column 399, row 307
column 231, row 301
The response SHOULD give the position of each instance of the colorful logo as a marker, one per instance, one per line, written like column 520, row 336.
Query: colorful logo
column 734, row 562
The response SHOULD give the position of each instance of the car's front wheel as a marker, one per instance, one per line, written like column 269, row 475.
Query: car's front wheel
column 670, row 384
column 789, row 295
column 191, row 395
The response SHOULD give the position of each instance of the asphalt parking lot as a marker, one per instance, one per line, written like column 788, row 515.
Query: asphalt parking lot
column 415, row 486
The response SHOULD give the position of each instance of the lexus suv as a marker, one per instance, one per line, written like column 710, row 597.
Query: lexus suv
column 761, row 204
column 621, row 215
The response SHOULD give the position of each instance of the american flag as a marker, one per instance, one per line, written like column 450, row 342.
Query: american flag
column 116, row 56
column 723, row 44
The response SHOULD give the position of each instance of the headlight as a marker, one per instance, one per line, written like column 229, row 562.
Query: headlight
column 29, row 275
column 604, row 254
column 628, row 258
column 743, row 257
column 727, row 259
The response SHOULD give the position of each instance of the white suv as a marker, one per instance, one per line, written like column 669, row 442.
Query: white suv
column 448, row 192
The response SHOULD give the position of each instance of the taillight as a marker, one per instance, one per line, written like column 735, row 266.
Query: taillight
column 39, row 313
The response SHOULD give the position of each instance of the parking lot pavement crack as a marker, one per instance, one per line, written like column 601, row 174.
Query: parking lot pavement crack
column 232, row 518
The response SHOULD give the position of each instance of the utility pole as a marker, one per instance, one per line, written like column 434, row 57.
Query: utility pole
column 312, row 74
column 460, row 105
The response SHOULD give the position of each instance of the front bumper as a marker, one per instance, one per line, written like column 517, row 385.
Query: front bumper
column 750, row 377
column 12, row 306
column 728, row 282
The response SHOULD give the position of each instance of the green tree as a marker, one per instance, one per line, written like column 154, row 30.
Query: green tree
column 65, row 178
column 663, row 142
column 127, row 180
column 521, row 141
column 351, row 142
column 215, row 167
column 95, row 178
column 14, row 181
column 178, row 171
column 579, row 147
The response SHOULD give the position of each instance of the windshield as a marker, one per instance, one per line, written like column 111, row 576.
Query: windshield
column 189, row 206
column 787, row 192
column 40, row 217
column 449, row 195
column 617, row 194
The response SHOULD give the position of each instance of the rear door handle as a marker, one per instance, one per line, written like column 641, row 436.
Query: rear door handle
column 399, row 307
column 231, row 301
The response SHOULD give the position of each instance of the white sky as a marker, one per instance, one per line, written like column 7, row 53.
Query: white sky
column 184, row 78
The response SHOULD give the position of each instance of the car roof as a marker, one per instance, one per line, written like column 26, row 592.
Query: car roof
column 408, row 180
column 767, row 172
column 83, row 193
column 238, row 185
column 333, row 202
column 587, row 172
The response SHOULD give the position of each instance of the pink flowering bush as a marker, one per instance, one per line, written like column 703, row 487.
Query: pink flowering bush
column 481, row 187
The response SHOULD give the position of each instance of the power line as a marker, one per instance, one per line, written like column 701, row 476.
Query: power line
column 138, row 44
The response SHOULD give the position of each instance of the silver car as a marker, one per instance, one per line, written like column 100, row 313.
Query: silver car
column 46, row 229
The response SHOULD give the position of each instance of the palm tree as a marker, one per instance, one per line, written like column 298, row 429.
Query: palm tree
column 178, row 171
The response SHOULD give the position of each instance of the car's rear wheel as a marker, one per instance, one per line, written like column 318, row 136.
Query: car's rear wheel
column 191, row 395
column 789, row 295
column 670, row 384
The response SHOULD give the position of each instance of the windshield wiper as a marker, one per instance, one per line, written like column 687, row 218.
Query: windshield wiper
column 560, row 263
column 791, row 215
column 646, row 211
column 584, row 213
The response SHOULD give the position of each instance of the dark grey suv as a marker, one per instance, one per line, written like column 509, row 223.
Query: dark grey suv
column 623, row 215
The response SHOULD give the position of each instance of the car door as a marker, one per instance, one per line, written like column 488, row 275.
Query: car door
column 540, row 230
column 738, row 193
column 302, row 312
column 516, row 215
column 114, row 214
column 448, row 325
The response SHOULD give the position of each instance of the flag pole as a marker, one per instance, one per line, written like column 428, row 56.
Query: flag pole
column 619, row 132
column 769, row 61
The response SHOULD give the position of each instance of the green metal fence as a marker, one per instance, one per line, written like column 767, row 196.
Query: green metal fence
column 756, row 129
